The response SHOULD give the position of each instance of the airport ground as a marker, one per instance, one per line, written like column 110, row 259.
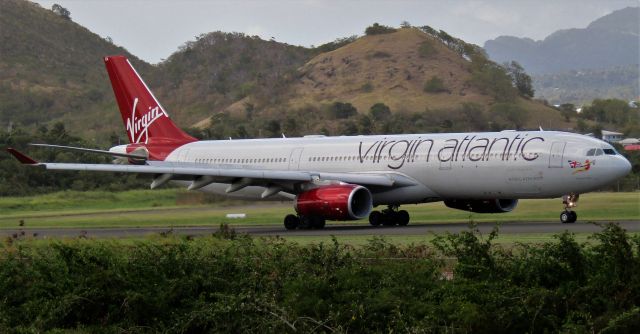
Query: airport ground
column 141, row 213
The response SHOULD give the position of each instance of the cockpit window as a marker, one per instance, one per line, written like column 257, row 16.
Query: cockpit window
column 599, row 152
column 591, row 152
column 609, row 151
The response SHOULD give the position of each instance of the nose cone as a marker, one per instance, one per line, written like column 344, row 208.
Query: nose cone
column 622, row 167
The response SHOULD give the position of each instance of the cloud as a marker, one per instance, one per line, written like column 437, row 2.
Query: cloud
column 489, row 13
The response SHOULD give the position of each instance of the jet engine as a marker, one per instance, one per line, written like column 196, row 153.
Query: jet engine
column 483, row 206
column 335, row 202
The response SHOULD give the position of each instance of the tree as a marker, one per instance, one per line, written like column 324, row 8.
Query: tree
column 512, row 113
column 61, row 11
column 474, row 114
column 567, row 110
column 405, row 24
column 341, row 110
column 378, row 29
column 521, row 80
column 610, row 111
column 380, row 111
column 492, row 79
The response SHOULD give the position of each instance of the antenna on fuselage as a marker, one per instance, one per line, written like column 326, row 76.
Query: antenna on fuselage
column 283, row 136
column 540, row 127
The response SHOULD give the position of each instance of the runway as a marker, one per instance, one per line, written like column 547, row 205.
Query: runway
column 337, row 229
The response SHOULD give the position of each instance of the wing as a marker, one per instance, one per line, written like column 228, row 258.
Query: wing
column 201, row 175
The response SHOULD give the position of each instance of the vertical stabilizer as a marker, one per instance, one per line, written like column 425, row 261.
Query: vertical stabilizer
column 145, row 120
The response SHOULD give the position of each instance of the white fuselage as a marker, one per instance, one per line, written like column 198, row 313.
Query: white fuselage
column 508, row 164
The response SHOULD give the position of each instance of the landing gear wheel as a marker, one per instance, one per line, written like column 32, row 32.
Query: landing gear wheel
column 389, row 218
column 402, row 218
column 318, row 222
column 375, row 218
column 291, row 222
column 568, row 217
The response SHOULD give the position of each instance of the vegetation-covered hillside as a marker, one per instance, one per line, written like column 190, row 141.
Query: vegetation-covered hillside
column 402, row 80
column 51, row 69
column 579, row 65
column 580, row 87
column 220, row 68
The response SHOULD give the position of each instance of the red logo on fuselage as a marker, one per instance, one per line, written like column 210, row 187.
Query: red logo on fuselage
column 580, row 166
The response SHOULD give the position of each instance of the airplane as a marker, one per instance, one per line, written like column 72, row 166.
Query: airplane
column 343, row 178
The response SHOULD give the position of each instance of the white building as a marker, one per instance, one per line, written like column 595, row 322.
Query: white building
column 629, row 141
column 611, row 136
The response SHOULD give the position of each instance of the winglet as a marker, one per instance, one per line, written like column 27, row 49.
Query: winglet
column 24, row 159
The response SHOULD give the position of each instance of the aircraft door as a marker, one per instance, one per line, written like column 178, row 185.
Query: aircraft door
column 294, row 158
column 445, row 165
column 556, row 154
column 183, row 155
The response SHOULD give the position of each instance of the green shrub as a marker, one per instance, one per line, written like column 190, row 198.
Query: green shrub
column 426, row 49
column 434, row 85
column 233, row 283
column 367, row 87
column 378, row 29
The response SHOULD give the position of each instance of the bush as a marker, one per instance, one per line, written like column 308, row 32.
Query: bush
column 379, row 54
column 341, row 110
column 378, row 29
column 233, row 283
column 367, row 87
column 435, row 85
column 426, row 49
column 380, row 111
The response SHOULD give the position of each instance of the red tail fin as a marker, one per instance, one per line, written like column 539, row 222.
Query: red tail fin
column 143, row 116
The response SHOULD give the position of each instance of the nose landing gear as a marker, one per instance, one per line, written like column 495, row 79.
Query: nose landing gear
column 569, row 216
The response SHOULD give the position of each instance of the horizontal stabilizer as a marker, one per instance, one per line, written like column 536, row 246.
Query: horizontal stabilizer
column 23, row 158
column 90, row 150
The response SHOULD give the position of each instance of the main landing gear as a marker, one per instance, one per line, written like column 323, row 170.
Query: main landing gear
column 292, row 222
column 389, row 217
column 569, row 216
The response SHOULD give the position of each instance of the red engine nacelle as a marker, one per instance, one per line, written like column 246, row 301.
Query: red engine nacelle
column 335, row 202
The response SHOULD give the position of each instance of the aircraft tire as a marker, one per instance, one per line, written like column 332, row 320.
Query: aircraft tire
column 318, row 222
column 375, row 218
column 291, row 222
column 402, row 217
column 389, row 218
column 568, row 217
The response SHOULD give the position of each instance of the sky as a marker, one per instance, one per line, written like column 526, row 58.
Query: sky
column 154, row 29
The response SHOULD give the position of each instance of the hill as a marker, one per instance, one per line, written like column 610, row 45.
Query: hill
column 51, row 69
column 399, row 69
column 610, row 41
column 582, row 87
column 206, row 75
